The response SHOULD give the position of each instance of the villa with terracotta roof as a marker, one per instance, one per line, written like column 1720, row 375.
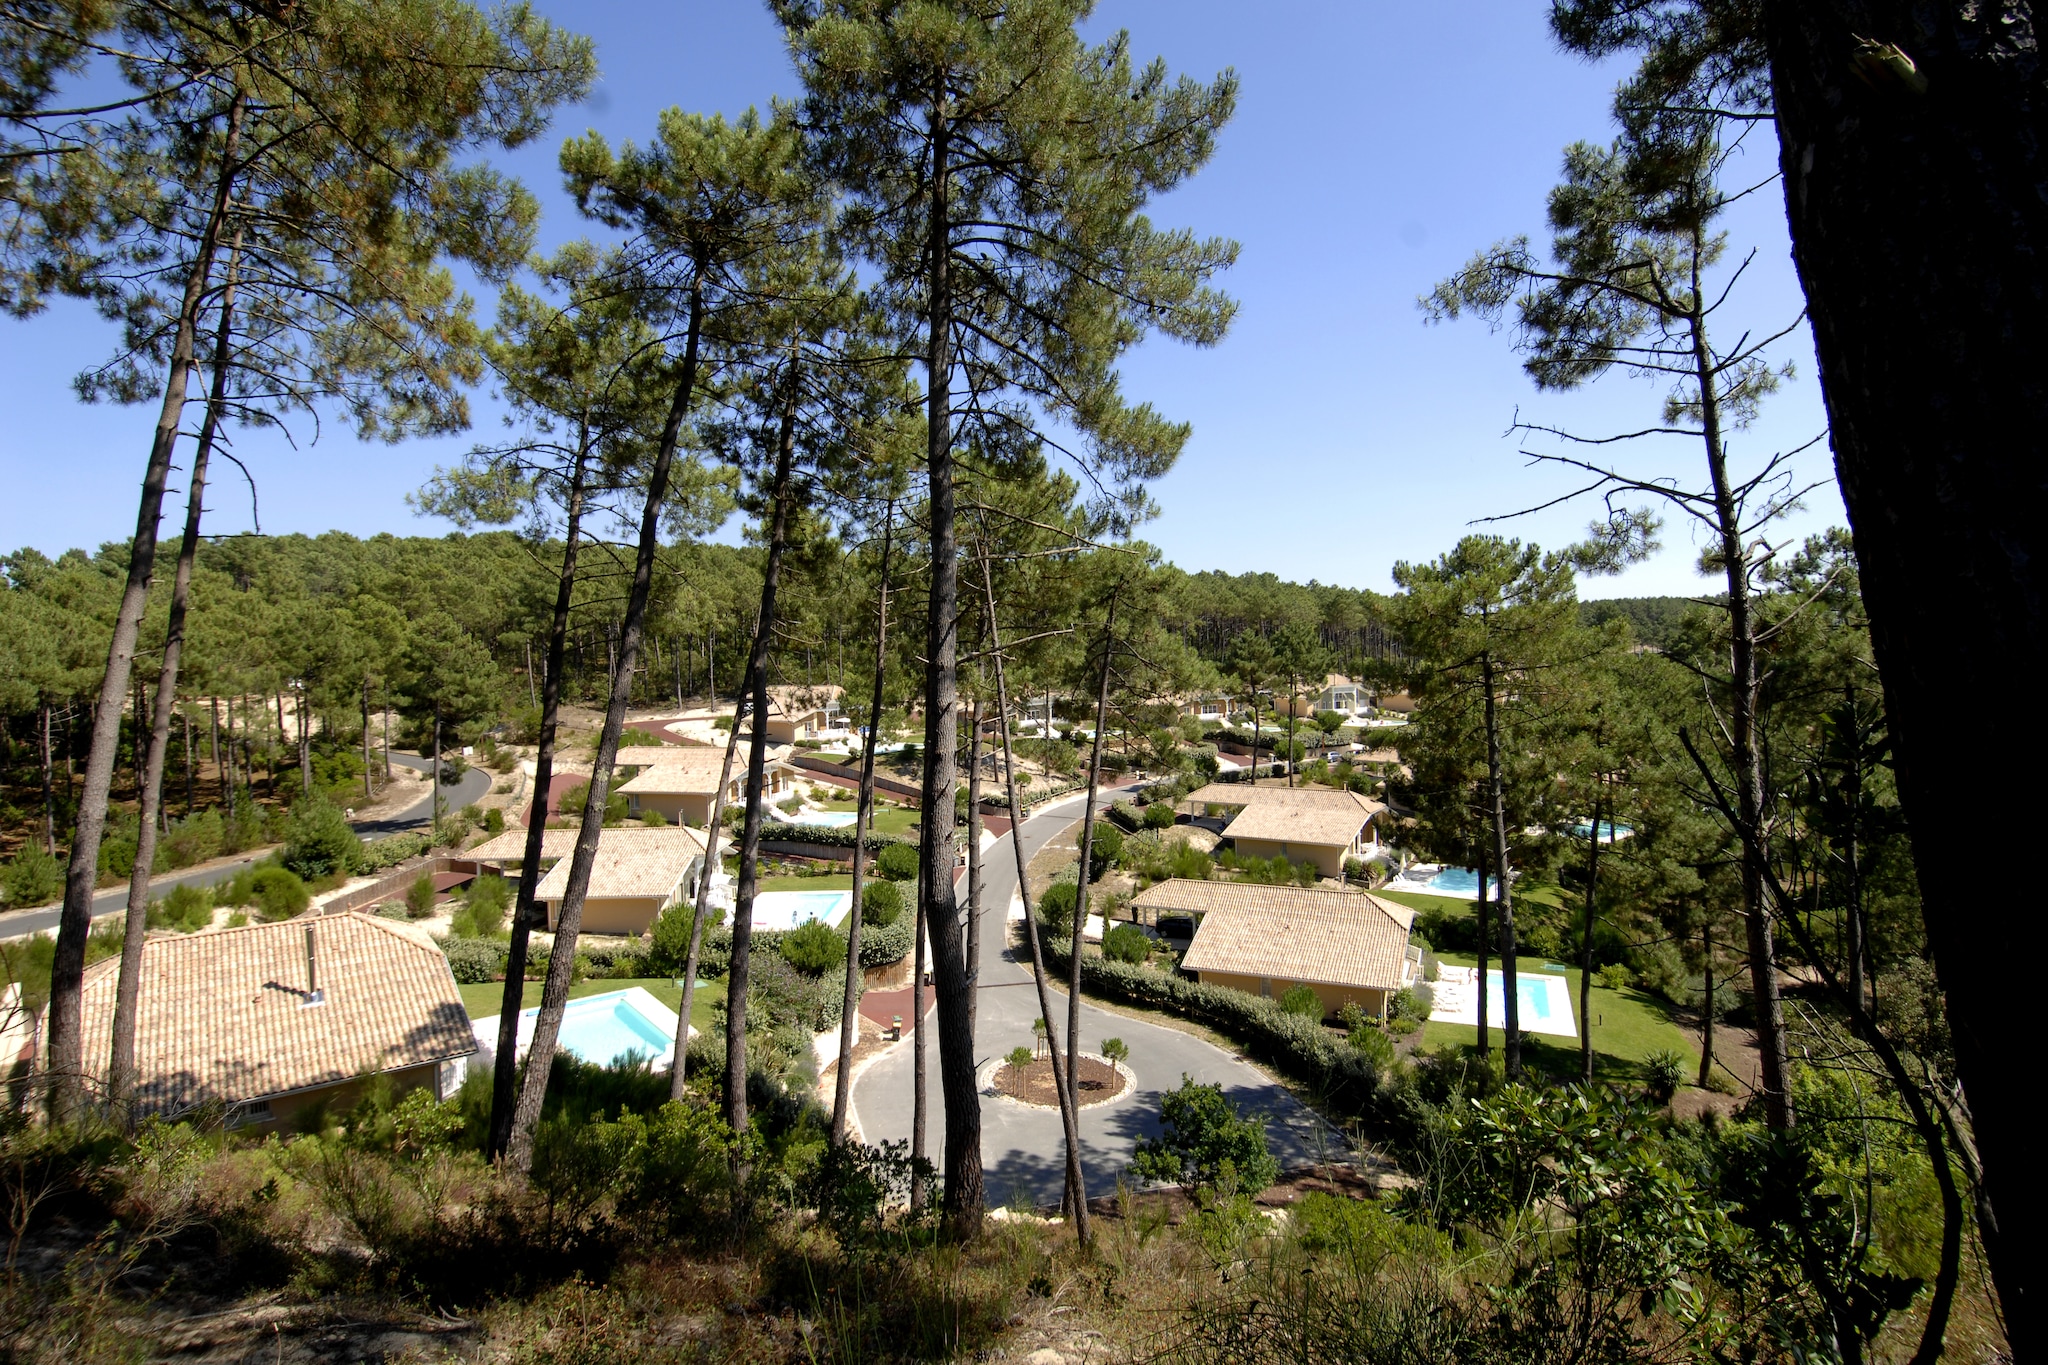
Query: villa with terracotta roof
column 680, row 781
column 1349, row 947
column 801, row 712
column 1320, row 825
column 269, row 1020
column 637, row 874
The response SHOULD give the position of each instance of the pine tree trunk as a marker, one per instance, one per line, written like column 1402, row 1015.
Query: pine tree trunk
column 973, row 865
column 128, row 992
column 849, row 1019
column 1503, row 887
column 1918, row 227
column 369, row 792
column 757, row 770
column 1586, row 950
column 963, row 1173
column 49, row 794
column 505, row 1065
column 569, row 917
column 436, row 797
column 1479, row 913
column 1081, row 881
column 920, row 1095
column 67, row 968
column 1076, row 1189
column 1707, row 1003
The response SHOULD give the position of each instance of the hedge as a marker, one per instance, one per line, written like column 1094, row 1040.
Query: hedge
column 475, row 960
column 890, row 943
column 1300, row 1048
column 830, row 836
column 1037, row 794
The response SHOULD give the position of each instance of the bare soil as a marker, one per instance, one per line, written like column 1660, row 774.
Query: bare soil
column 1095, row 1079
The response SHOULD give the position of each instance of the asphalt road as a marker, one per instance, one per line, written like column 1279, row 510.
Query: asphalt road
column 1022, row 1146
column 475, row 784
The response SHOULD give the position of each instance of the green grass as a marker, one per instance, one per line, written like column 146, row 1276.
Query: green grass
column 1628, row 1025
column 487, row 998
column 893, row 819
column 1451, row 905
column 838, row 881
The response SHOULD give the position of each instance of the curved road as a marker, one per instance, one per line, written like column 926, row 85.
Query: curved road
column 474, row 786
column 1023, row 1147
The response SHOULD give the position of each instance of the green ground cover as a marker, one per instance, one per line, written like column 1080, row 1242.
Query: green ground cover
column 838, row 881
column 484, row 999
column 1451, row 905
column 1628, row 1025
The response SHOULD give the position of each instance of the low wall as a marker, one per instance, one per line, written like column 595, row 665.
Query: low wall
column 811, row 763
column 394, row 884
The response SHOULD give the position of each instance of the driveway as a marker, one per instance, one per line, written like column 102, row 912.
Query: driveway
column 1022, row 1146
column 475, row 784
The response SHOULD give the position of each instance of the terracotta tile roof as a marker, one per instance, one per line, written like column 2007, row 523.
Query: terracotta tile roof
column 631, row 862
column 560, row 843
column 1300, row 815
column 223, row 1019
column 1289, row 933
column 689, row 771
column 798, row 699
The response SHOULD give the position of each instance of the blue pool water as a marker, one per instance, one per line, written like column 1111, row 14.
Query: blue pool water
column 600, row 1028
column 787, row 909
column 1543, row 999
column 1459, row 880
column 829, row 819
column 1609, row 831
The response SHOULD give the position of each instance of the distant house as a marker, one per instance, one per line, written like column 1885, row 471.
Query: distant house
column 271, row 1019
column 1320, row 825
column 1338, row 693
column 680, row 782
column 801, row 713
column 637, row 874
column 1349, row 947
column 1206, row 706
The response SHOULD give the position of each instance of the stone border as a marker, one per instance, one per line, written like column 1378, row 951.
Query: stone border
column 985, row 1082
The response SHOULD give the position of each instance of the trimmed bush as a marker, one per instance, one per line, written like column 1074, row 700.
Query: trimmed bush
column 1302, row 1000
column 884, row 944
column 1056, row 909
column 419, row 897
column 482, row 913
column 1159, row 815
column 278, row 893
column 389, row 853
column 829, row 836
column 1105, row 846
column 475, row 960
column 881, row 904
column 1126, row 943
column 813, row 947
column 898, row 863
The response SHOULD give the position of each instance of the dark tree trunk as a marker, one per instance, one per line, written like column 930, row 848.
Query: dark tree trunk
column 920, row 1093
column 67, row 966
column 1706, row 1003
column 569, row 917
column 963, row 1174
column 1081, row 881
column 1479, row 913
column 973, row 865
column 1076, row 1196
column 757, row 770
column 849, row 1019
column 128, row 991
column 505, row 1065
column 1586, row 950
column 1503, row 887
column 435, row 798
column 369, row 791
column 49, row 796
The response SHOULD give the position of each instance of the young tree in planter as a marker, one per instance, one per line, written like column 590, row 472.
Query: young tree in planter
column 319, row 144
column 995, row 168
column 1632, row 286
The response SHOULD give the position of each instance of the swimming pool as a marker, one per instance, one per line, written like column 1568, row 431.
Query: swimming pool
column 1454, row 881
column 1609, row 831
column 787, row 909
column 828, row 819
column 1545, row 1002
column 602, row 1028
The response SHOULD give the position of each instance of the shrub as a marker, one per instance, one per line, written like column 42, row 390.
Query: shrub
column 318, row 840
column 897, row 862
column 1105, row 846
column 453, row 766
column 191, row 840
column 482, row 913
column 1402, row 1005
column 1159, row 815
column 1663, row 1073
column 1372, row 1044
column 389, row 853
column 278, row 893
column 494, row 821
column 653, row 819
column 31, row 877
column 1302, row 1000
column 475, row 960
column 1206, row 1142
column 1018, row 1057
column 813, row 947
column 1189, row 862
column 1056, row 909
column 419, row 897
column 880, row 904
column 1126, row 943
column 888, row 943
column 670, row 952
column 1613, row 976
column 187, row 908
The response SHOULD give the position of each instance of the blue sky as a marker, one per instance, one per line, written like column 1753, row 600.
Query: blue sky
column 1376, row 146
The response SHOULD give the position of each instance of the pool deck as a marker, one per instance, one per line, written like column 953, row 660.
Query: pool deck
column 643, row 1002
column 1456, row 1001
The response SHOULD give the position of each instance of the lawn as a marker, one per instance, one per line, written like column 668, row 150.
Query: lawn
column 1628, row 1025
column 838, row 881
column 487, row 998
column 1453, row 906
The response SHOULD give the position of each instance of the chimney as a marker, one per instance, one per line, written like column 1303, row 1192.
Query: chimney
column 314, row 995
